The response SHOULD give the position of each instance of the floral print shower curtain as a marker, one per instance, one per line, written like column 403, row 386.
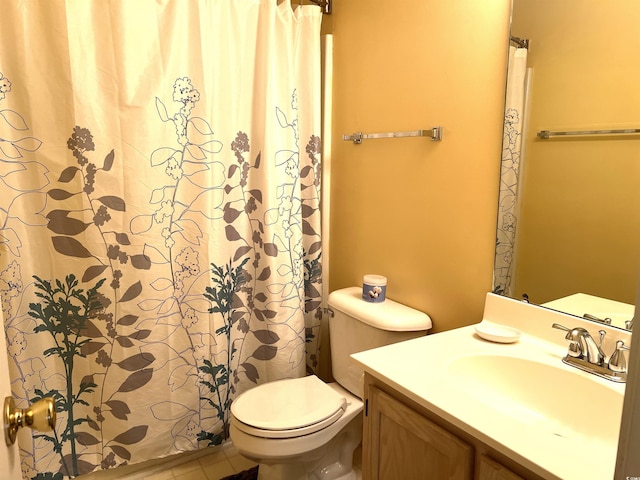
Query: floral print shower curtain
column 510, row 172
column 159, row 217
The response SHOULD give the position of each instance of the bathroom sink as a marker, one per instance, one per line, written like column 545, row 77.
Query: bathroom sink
column 542, row 395
column 513, row 395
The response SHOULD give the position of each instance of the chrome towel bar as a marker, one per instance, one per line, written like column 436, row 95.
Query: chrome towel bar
column 545, row 134
column 434, row 133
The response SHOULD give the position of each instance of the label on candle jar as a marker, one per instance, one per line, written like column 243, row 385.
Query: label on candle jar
column 374, row 288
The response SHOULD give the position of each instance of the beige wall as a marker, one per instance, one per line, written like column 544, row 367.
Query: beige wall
column 579, row 230
column 422, row 213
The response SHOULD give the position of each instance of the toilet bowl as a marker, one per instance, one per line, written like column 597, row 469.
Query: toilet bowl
column 305, row 429
column 312, row 435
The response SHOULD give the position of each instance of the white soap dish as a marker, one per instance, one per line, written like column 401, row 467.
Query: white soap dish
column 497, row 333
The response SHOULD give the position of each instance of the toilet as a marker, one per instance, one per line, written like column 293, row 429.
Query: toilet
column 304, row 428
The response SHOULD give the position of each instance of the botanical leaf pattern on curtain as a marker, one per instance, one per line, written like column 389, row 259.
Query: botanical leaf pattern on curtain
column 160, row 246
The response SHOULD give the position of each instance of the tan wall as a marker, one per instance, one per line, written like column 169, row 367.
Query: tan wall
column 579, row 230
column 422, row 213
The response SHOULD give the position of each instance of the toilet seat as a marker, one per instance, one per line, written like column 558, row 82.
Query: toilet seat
column 288, row 408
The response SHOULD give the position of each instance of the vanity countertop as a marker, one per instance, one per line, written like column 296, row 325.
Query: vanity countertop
column 420, row 370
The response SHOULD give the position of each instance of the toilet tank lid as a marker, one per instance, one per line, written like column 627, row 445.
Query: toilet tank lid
column 387, row 315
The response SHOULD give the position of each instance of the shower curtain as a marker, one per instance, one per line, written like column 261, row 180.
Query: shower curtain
column 510, row 171
column 160, row 246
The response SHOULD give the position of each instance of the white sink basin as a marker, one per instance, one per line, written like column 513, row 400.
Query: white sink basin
column 560, row 399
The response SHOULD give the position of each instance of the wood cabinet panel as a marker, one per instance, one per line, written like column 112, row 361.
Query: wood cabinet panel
column 401, row 444
column 489, row 469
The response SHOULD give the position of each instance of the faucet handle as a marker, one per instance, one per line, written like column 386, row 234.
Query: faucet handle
column 573, row 335
column 617, row 362
column 560, row 327
column 605, row 320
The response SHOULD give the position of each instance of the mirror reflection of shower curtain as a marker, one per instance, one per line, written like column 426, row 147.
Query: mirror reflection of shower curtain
column 511, row 170
column 160, row 246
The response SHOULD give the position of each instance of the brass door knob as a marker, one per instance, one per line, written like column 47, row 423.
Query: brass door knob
column 40, row 416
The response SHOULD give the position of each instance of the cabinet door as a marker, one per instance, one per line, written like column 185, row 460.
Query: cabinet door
column 401, row 444
column 489, row 469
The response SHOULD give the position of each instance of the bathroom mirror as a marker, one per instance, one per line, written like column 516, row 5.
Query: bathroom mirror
column 568, row 239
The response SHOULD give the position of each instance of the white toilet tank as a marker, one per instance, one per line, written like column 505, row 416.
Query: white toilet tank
column 357, row 325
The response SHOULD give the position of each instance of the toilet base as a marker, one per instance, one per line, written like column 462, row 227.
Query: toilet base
column 282, row 471
column 333, row 461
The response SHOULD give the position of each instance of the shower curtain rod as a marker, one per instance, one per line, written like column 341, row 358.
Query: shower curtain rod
column 521, row 42
column 324, row 4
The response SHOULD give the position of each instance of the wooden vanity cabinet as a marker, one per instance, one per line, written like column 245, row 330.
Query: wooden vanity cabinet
column 401, row 444
column 404, row 441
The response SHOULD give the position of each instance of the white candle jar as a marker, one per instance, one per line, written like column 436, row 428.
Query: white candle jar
column 374, row 288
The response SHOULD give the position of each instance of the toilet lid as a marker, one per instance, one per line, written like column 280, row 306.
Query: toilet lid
column 285, row 407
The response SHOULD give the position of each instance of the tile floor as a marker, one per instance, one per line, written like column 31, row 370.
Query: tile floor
column 214, row 464
column 209, row 464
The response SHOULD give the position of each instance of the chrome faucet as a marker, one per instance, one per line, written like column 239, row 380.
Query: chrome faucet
column 584, row 353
